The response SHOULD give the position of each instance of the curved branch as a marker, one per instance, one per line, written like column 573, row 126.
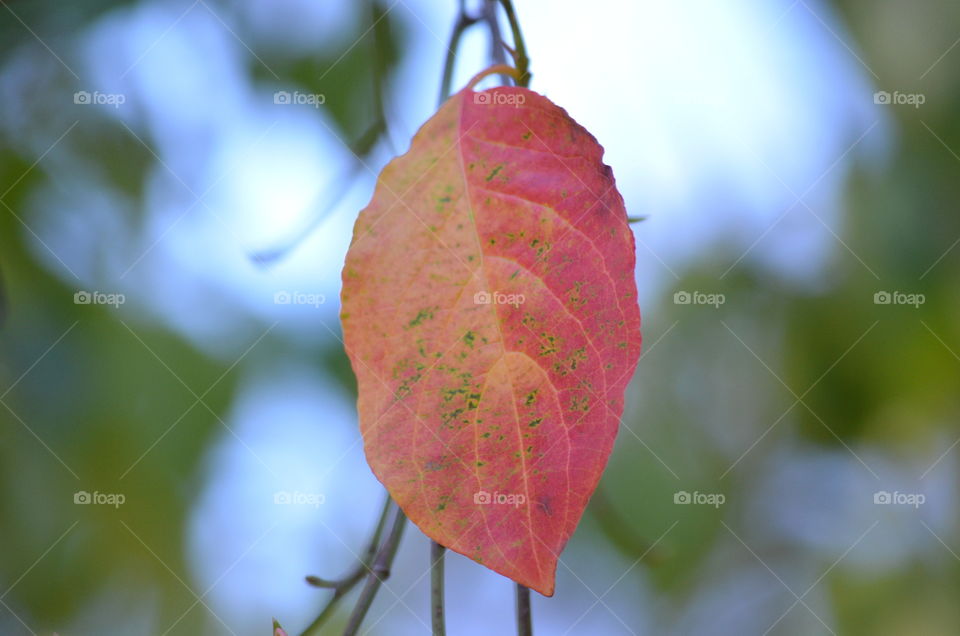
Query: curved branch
column 519, row 48
column 342, row 586
column 464, row 21
column 379, row 573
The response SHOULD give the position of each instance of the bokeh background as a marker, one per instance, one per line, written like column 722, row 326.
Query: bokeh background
column 798, row 163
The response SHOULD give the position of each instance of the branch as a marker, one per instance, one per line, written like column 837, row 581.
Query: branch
column 464, row 21
column 379, row 573
column 342, row 586
column 436, row 588
column 524, row 616
column 520, row 58
column 489, row 16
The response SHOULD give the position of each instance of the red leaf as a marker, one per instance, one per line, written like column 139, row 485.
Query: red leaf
column 490, row 423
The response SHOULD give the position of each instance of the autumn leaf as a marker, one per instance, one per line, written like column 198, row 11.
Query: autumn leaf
column 490, row 314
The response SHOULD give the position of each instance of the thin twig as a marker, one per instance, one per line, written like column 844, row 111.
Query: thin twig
column 520, row 49
column 464, row 22
column 436, row 588
column 496, row 39
column 379, row 573
column 342, row 586
column 524, row 617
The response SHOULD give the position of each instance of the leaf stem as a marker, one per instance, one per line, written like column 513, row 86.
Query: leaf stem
column 436, row 588
column 493, row 70
column 524, row 616
column 379, row 573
